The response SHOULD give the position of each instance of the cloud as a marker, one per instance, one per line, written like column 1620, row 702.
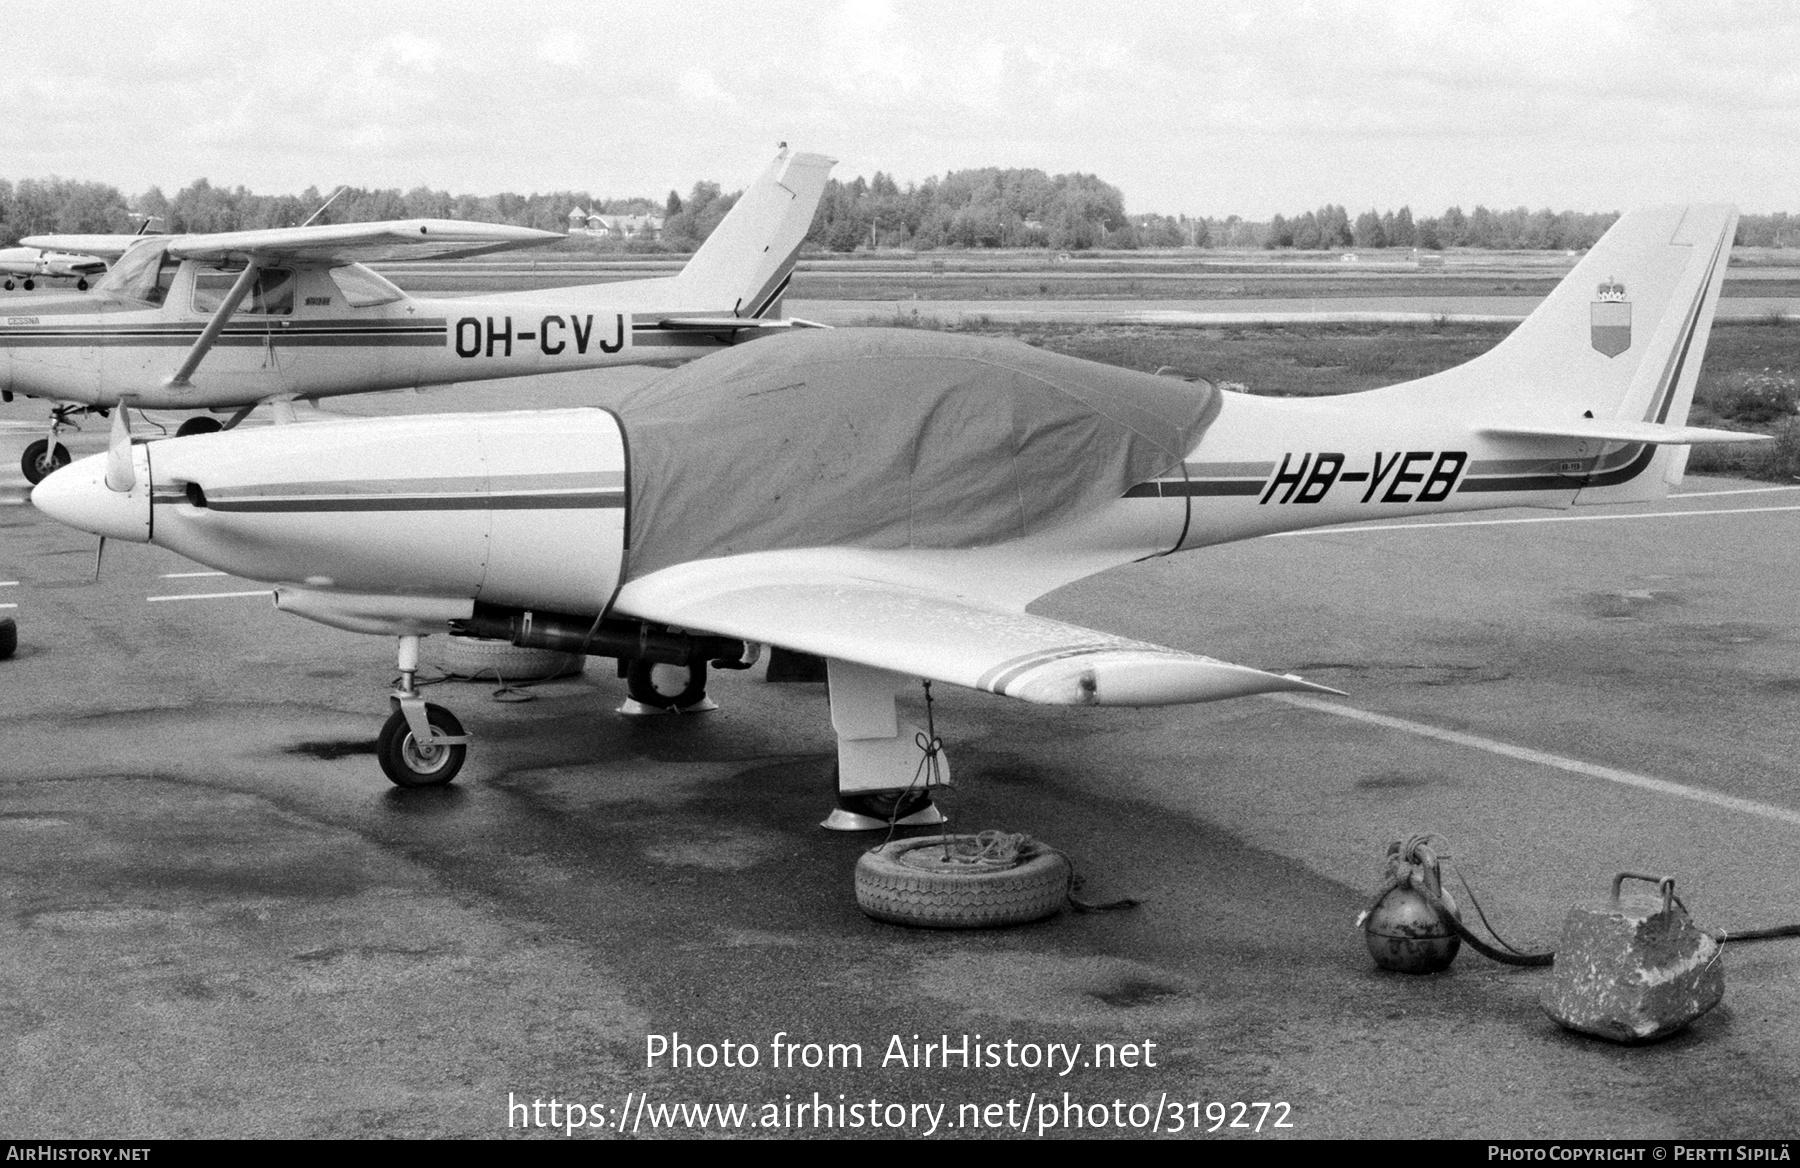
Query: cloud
column 570, row 50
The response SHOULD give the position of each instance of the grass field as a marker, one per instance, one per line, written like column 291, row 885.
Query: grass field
column 1747, row 382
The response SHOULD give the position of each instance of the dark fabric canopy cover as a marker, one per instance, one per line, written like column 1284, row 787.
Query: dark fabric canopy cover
column 889, row 438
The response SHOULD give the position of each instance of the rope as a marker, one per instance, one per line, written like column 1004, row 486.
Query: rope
column 930, row 746
column 1406, row 865
column 991, row 850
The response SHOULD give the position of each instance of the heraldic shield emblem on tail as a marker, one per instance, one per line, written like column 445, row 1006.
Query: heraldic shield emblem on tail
column 1611, row 319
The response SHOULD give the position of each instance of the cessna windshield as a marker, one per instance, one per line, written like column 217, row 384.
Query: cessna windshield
column 143, row 273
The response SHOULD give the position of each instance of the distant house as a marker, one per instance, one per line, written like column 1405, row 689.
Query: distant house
column 585, row 222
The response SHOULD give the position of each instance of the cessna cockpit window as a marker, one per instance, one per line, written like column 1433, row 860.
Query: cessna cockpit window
column 143, row 273
column 272, row 294
column 362, row 288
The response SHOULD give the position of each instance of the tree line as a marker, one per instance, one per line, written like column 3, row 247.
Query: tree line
column 988, row 207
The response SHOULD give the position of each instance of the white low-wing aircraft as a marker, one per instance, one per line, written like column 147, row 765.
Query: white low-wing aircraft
column 893, row 501
column 28, row 265
column 227, row 321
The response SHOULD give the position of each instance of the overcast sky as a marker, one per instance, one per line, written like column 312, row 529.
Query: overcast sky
column 1203, row 108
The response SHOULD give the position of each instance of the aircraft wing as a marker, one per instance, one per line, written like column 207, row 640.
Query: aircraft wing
column 360, row 242
column 336, row 243
column 944, row 637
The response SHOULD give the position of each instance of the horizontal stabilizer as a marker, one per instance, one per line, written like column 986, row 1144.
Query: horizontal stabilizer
column 943, row 638
column 1617, row 430
column 730, row 324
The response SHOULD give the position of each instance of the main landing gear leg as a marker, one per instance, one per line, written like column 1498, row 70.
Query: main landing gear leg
column 886, row 768
column 421, row 745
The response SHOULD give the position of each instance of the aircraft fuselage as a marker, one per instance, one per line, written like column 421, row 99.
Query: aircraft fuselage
column 304, row 335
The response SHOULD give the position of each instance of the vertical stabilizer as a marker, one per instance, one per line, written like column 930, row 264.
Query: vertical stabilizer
column 1620, row 339
column 744, row 265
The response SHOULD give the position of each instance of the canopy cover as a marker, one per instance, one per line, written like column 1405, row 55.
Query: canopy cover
column 889, row 438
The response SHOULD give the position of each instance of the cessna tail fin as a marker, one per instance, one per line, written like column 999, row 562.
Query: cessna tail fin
column 1612, row 354
column 744, row 265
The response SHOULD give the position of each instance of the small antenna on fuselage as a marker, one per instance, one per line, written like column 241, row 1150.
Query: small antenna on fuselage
column 325, row 204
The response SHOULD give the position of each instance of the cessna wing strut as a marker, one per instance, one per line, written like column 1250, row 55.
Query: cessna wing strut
column 334, row 244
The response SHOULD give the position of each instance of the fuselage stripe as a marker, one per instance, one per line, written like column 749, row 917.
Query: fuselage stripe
column 588, row 500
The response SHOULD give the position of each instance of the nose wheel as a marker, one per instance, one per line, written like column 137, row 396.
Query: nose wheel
column 410, row 762
column 41, row 457
column 421, row 745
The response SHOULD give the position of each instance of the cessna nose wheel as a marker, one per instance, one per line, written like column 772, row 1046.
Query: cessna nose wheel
column 41, row 458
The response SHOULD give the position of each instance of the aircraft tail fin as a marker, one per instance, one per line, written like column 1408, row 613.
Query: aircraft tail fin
column 744, row 265
column 1612, row 355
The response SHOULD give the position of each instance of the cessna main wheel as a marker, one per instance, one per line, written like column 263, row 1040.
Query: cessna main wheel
column 410, row 763
column 199, row 425
column 81, row 285
column 41, row 458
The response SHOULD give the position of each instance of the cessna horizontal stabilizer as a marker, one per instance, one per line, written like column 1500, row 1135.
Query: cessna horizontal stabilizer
column 731, row 324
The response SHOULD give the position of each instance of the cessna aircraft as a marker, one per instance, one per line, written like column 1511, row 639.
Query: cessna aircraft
column 893, row 501
column 31, row 264
column 228, row 321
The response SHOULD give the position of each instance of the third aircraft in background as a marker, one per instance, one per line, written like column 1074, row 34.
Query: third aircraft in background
column 227, row 321
column 28, row 265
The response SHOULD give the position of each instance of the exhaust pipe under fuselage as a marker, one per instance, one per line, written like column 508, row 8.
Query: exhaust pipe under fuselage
column 563, row 632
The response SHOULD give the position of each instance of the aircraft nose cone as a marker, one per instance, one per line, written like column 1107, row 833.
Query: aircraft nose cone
column 77, row 495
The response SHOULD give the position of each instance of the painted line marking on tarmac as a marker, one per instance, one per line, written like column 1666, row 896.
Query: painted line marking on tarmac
column 8, row 606
column 1739, row 491
column 1543, row 758
column 9, row 583
column 188, row 575
column 1531, row 519
column 206, row 595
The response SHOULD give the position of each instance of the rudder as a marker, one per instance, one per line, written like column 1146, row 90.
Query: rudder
column 744, row 265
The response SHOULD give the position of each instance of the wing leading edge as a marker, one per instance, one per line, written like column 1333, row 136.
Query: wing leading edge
column 332, row 243
column 931, row 635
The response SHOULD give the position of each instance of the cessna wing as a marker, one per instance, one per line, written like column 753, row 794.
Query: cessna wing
column 360, row 243
column 787, row 601
column 335, row 243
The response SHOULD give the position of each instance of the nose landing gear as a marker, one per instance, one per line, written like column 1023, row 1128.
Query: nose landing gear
column 41, row 458
column 421, row 745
